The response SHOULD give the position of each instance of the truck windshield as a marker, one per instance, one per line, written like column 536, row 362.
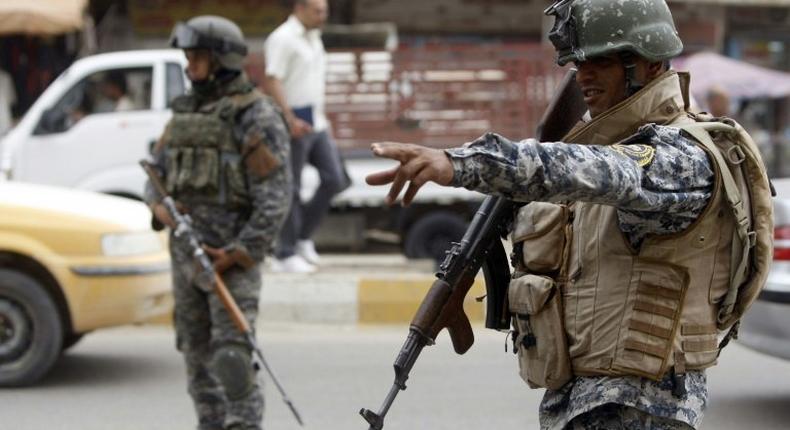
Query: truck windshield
column 107, row 91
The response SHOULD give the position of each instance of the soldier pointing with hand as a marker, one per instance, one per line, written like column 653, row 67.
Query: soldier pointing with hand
column 646, row 235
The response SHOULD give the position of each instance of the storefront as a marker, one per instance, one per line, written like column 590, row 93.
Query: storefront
column 38, row 40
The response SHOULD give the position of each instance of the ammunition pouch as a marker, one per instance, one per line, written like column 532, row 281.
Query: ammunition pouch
column 539, row 237
column 539, row 335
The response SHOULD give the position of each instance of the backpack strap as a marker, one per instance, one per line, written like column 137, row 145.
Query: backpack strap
column 743, row 229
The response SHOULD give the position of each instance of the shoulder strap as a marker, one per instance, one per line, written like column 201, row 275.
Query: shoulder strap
column 743, row 229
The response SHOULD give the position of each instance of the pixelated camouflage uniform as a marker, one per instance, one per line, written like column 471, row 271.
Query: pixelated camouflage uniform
column 246, row 222
column 612, row 416
column 663, row 196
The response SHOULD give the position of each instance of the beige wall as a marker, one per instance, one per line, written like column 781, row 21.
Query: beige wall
column 701, row 27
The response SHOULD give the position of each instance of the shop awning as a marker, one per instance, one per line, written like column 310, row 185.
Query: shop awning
column 740, row 79
column 41, row 17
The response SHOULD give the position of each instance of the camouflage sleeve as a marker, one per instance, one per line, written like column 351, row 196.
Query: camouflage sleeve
column 266, row 156
column 159, row 161
column 656, row 178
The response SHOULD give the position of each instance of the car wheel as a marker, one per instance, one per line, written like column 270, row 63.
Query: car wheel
column 430, row 236
column 31, row 332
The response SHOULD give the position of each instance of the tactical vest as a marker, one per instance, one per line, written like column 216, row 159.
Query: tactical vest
column 645, row 312
column 203, row 155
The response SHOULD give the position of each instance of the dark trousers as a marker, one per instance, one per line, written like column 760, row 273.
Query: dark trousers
column 203, row 326
column 320, row 151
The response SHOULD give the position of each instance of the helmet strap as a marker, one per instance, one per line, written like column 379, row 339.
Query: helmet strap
column 212, row 86
column 632, row 85
column 208, row 85
column 216, row 65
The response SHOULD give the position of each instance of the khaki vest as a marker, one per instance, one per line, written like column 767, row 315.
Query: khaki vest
column 204, row 157
column 629, row 313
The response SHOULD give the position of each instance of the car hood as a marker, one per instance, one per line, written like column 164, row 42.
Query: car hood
column 112, row 212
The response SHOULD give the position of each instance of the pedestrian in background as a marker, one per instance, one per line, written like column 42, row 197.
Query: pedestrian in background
column 718, row 102
column 7, row 100
column 295, row 78
column 224, row 158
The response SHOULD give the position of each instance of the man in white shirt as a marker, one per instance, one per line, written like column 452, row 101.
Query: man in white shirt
column 295, row 78
column 7, row 99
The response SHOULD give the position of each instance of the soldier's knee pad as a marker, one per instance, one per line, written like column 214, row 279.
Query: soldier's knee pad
column 232, row 364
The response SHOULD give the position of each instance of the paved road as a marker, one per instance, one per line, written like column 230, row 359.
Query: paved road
column 132, row 379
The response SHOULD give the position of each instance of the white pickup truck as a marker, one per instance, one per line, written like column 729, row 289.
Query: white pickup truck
column 79, row 135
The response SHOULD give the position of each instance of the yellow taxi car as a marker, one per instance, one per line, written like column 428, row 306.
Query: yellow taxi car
column 72, row 262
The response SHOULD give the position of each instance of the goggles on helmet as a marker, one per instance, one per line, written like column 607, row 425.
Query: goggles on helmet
column 186, row 37
column 563, row 32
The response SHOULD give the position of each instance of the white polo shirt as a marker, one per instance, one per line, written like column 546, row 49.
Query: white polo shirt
column 7, row 99
column 296, row 57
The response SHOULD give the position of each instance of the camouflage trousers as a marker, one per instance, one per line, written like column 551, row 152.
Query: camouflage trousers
column 202, row 325
column 612, row 416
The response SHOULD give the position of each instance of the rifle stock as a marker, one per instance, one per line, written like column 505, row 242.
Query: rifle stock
column 230, row 305
column 443, row 308
column 481, row 247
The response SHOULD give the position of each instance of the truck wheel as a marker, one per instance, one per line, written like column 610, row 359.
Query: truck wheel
column 31, row 332
column 430, row 236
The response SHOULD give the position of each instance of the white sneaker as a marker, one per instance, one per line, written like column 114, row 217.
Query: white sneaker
column 292, row 264
column 306, row 248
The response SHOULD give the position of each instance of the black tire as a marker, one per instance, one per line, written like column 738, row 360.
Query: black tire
column 430, row 235
column 70, row 340
column 31, row 331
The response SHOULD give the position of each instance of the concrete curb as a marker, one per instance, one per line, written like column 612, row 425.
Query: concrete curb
column 352, row 298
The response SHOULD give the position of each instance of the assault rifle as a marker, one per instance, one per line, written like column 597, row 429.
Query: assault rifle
column 184, row 230
column 481, row 246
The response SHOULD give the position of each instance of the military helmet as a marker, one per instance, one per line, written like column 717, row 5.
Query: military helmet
column 590, row 28
column 219, row 35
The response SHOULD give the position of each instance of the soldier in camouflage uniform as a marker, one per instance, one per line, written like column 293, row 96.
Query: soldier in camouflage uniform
column 224, row 157
column 629, row 156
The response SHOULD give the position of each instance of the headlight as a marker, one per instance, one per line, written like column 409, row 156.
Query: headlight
column 126, row 244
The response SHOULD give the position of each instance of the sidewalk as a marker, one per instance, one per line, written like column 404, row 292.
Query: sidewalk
column 355, row 289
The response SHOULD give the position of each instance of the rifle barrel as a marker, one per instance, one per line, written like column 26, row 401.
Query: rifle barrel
column 275, row 380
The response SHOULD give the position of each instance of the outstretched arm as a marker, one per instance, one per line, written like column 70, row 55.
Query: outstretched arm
column 656, row 170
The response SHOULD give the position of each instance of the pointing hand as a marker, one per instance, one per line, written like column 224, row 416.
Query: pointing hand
column 418, row 166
